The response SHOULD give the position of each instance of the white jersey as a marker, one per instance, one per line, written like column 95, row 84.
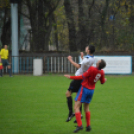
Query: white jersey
column 85, row 64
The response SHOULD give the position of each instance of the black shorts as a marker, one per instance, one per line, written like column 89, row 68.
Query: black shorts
column 75, row 85
column 5, row 62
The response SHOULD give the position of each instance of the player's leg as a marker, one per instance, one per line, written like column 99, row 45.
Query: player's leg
column 77, row 106
column 9, row 68
column 87, row 100
column 74, row 87
column 1, row 73
column 4, row 65
column 70, row 105
column 87, row 116
column 77, row 87
column 78, row 116
column 80, row 111
column 1, row 67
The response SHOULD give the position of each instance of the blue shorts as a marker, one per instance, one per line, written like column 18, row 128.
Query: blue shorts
column 84, row 95
column 5, row 62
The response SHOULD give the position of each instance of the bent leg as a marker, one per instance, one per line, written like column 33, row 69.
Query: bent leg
column 69, row 102
column 70, row 105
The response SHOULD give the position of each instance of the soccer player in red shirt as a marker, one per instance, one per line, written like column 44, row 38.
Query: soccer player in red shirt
column 85, row 93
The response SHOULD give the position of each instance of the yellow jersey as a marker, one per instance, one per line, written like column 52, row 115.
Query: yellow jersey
column 0, row 64
column 4, row 53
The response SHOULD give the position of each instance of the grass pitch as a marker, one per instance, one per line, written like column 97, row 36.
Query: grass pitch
column 37, row 105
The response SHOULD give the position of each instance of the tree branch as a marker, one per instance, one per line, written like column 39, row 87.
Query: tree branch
column 24, row 15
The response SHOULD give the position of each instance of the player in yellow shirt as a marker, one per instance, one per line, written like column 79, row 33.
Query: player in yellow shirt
column 4, row 53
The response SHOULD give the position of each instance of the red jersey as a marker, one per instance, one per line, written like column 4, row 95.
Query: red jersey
column 90, row 77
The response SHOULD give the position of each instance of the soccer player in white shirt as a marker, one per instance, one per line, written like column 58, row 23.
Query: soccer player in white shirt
column 87, row 61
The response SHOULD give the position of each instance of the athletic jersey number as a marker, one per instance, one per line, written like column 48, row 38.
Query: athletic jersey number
column 97, row 77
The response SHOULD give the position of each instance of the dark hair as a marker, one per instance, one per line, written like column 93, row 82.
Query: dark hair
column 102, row 64
column 91, row 48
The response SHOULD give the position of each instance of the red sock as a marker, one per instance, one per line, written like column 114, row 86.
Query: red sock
column 88, row 118
column 78, row 118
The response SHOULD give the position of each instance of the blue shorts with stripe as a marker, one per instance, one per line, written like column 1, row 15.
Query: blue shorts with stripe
column 84, row 95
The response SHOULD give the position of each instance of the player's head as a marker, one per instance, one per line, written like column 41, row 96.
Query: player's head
column 90, row 49
column 5, row 46
column 101, row 64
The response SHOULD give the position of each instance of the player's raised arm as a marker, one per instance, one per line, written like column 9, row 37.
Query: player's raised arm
column 82, row 55
column 72, row 62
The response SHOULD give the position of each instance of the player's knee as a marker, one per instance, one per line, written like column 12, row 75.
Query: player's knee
column 86, row 108
column 75, row 108
column 68, row 94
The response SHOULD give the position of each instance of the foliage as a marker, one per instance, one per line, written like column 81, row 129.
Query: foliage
column 73, row 24
column 4, row 3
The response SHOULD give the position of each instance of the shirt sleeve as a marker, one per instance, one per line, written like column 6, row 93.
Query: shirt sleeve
column 102, row 79
column 87, row 73
column 7, row 54
column 76, row 77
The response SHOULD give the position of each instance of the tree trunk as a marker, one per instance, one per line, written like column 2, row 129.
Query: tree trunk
column 86, row 29
column 41, row 28
column 103, row 18
column 81, row 24
column 6, row 30
column 55, row 33
column 71, row 25
column 48, row 30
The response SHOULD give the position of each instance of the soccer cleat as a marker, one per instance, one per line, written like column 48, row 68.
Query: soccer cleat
column 70, row 117
column 78, row 129
column 81, row 118
column 88, row 128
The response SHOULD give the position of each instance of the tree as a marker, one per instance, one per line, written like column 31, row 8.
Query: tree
column 40, row 15
column 71, row 25
column 5, row 22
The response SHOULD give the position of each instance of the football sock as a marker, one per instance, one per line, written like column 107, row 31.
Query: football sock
column 69, row 102
column 9, row 71
column 88, row 118
column 78, row 119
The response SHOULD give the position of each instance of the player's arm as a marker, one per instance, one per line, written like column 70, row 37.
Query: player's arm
column 74, row 77
column 82, row 55
column 8, row 54
column 103, row 79
column 73, row 63
column 81, row 77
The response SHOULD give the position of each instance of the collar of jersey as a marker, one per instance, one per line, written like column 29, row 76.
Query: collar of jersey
column 87, row 56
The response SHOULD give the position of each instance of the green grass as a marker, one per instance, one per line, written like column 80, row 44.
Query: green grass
column 37, row 105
